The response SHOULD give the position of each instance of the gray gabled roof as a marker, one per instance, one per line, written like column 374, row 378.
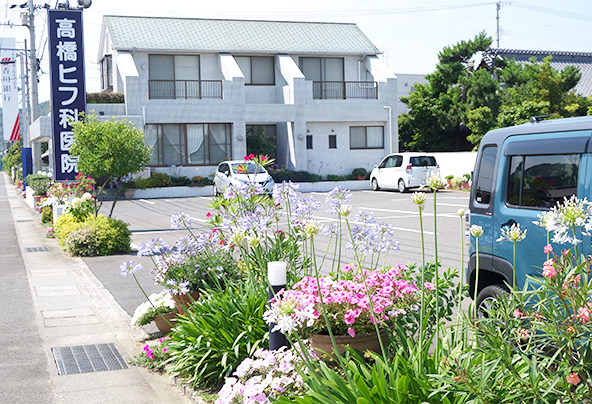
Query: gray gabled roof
column 561, row 59
column 207, row 35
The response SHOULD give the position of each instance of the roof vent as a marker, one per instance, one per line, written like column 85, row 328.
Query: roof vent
column 538, row 118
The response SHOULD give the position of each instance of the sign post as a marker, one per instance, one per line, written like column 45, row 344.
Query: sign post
column 68, row 90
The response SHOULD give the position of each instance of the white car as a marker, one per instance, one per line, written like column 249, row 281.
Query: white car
column 236, row 172
column 403, row 171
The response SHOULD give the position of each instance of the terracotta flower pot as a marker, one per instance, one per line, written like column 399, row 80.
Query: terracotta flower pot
column 185, row 301
column 361, row 342
column 164, row 322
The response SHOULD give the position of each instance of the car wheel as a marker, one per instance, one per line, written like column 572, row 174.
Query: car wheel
column 216, row 193
column 375, row 186
column 402, row 187
column 487, row 298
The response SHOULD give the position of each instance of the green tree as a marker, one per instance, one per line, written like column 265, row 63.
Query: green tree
column 111, row 149
column 461, row 102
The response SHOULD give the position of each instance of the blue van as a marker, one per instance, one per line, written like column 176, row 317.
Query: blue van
column 520, row 172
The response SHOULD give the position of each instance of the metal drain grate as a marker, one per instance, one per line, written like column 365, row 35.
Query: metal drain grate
column 36, row 249
column 87, row 358
column 23, row 220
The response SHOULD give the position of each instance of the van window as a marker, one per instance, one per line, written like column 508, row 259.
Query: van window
column 542, row 181
column 422, row 161
column 484, row 181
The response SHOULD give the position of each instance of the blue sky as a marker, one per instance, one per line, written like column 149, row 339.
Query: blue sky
column 409, row 32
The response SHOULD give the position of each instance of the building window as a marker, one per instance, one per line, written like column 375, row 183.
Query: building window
column 322, row 69
column 174, row 76
column 188, row 144
column 332, row 141
column 262, row 139
column 366, row 137
column 327, row 77
column 542, row 181
column 309, row 142
column 258, row 70
column 106, row 65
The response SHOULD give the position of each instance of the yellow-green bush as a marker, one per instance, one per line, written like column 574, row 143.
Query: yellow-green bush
column 95, row 236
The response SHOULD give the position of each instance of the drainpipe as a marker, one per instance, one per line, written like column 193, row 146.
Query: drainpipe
column 360, row 66
column 390, row 128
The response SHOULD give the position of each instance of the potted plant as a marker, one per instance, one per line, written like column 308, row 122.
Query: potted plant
column 39, row 183
column 448, row 179
column 359, row 173
column 195, row 262
column 349, row 302
column 160, row 306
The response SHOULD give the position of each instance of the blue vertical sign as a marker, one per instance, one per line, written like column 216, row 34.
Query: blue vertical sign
column 68, row 91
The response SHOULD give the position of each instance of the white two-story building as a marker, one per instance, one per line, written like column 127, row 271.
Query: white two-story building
column 198, row 86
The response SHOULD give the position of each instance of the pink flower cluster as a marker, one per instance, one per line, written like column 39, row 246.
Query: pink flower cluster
column 549, row 269
column 352, row 305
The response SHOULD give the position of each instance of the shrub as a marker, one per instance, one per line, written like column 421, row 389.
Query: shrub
column 13, row 157
column 281, row 174
column 95, row 236
column 213, row 338
column 199, row 181
column 156, row 180
column 360, row 172
column 105, row 98
column 46, row 214
column 39, row 183
column 335, row 177
column 65, row 225
column 181, row 181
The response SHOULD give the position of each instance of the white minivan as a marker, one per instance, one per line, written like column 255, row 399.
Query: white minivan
column 403, row 171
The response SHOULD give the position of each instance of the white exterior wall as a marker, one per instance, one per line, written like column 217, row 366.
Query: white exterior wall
column 289, row 105
column 405, row 85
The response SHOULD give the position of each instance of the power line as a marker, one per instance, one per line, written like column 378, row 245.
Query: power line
column 552, row 11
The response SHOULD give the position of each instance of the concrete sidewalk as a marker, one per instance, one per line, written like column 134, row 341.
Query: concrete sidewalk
column 50, row 300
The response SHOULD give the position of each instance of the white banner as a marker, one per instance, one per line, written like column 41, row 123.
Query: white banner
column 10, row 109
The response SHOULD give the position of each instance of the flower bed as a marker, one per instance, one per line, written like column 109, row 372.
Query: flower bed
column 531, row 345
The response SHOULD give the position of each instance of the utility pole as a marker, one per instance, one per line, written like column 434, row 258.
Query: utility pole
column 35, row 148
column 33, row 64
column 497, row 30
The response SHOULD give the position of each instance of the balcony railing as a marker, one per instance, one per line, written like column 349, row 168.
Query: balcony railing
column 341, row 90
column 185, row 89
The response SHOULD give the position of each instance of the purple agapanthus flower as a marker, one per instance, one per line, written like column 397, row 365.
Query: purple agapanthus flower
column 130, row 267
column 286, row 192
column 181, row 220
column 156, row 246
column 338, row 198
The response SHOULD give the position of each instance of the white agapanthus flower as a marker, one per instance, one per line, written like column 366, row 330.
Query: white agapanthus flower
column 568, row 216
column 419, row 199
column 434, row 181
column 512, row 233
column 476, row 231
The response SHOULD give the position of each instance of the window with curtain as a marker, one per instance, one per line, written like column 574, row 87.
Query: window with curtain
column 258, row 70
column 188, row 144
column 174, row 76
column 322, row 69
column 366, row 137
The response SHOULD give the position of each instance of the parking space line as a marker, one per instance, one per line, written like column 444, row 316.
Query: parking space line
column 147, row 201
column 332, row 219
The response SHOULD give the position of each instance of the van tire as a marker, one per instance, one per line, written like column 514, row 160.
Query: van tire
column 375, row 186
column 216, row 193
column 401, row 186
column 487, row 296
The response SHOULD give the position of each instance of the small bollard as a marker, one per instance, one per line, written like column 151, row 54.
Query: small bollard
column 276, row 274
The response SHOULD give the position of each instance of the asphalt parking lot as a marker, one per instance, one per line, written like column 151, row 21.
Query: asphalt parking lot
column 150, row 218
